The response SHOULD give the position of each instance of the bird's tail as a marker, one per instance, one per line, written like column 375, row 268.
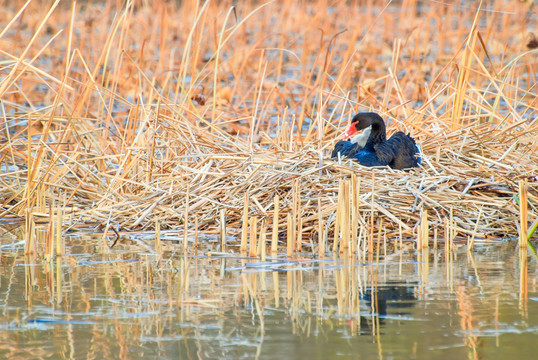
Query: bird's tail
column 419, row 149
column 419, row 153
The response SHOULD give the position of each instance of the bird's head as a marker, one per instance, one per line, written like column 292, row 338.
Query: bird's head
column 362, row 121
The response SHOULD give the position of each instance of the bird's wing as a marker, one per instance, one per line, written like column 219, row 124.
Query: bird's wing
column 388, row 150
column 370, row 158
column 400, row 151
column 345, row 148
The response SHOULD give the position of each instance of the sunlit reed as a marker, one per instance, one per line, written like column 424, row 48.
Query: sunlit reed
column 189, row 120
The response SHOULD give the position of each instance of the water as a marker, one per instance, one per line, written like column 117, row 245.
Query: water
column 126, row 303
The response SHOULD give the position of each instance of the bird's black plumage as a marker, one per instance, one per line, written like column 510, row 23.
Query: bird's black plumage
column 398, row 152
column 345, row 148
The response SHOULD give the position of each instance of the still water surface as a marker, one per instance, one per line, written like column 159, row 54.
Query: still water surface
column 126, row 303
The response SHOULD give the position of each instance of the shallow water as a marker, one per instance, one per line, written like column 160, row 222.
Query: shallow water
column 126, row 303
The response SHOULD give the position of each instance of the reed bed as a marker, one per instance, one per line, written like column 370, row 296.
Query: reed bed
column 219, row 119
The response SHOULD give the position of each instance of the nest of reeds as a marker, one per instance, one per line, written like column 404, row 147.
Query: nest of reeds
column 215, row 136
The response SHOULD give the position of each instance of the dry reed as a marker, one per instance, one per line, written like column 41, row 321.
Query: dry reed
column 144, row 120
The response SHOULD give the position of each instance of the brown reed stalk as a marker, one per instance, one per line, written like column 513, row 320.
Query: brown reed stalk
column 60, row 214
column 321, row 233
column 424, row 230
column 274, row 240
column 447, row 235
column 12, row 76
column 253, row 238
column 50, row 238
column 523, row 277
column 452, row 230
column 299, row 242
column 344, row 218
column 354, row 208
column 196, row 229
column 384, row 243
column 378, row 240
column 158, row 243
column 463, row 76
column 471, row 241
column 262, row 248
column 523, row 206
column 223, row 236
column 29, row 233
column 244, row 229
column 371, row 231
column 186, row 219
column 289, row 238
column 296, row 215
column 293, row 233
column 419, row 233
column 338, row 222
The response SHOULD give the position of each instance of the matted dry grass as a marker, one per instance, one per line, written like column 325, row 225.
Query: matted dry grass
column 156, row 114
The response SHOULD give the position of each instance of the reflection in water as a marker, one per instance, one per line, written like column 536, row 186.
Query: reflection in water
column 390, row 294
column 129, row 303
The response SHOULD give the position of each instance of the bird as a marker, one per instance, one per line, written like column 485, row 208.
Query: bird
column 399, row 152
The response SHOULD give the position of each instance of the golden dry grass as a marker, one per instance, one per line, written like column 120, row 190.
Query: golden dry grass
column 128, row 117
